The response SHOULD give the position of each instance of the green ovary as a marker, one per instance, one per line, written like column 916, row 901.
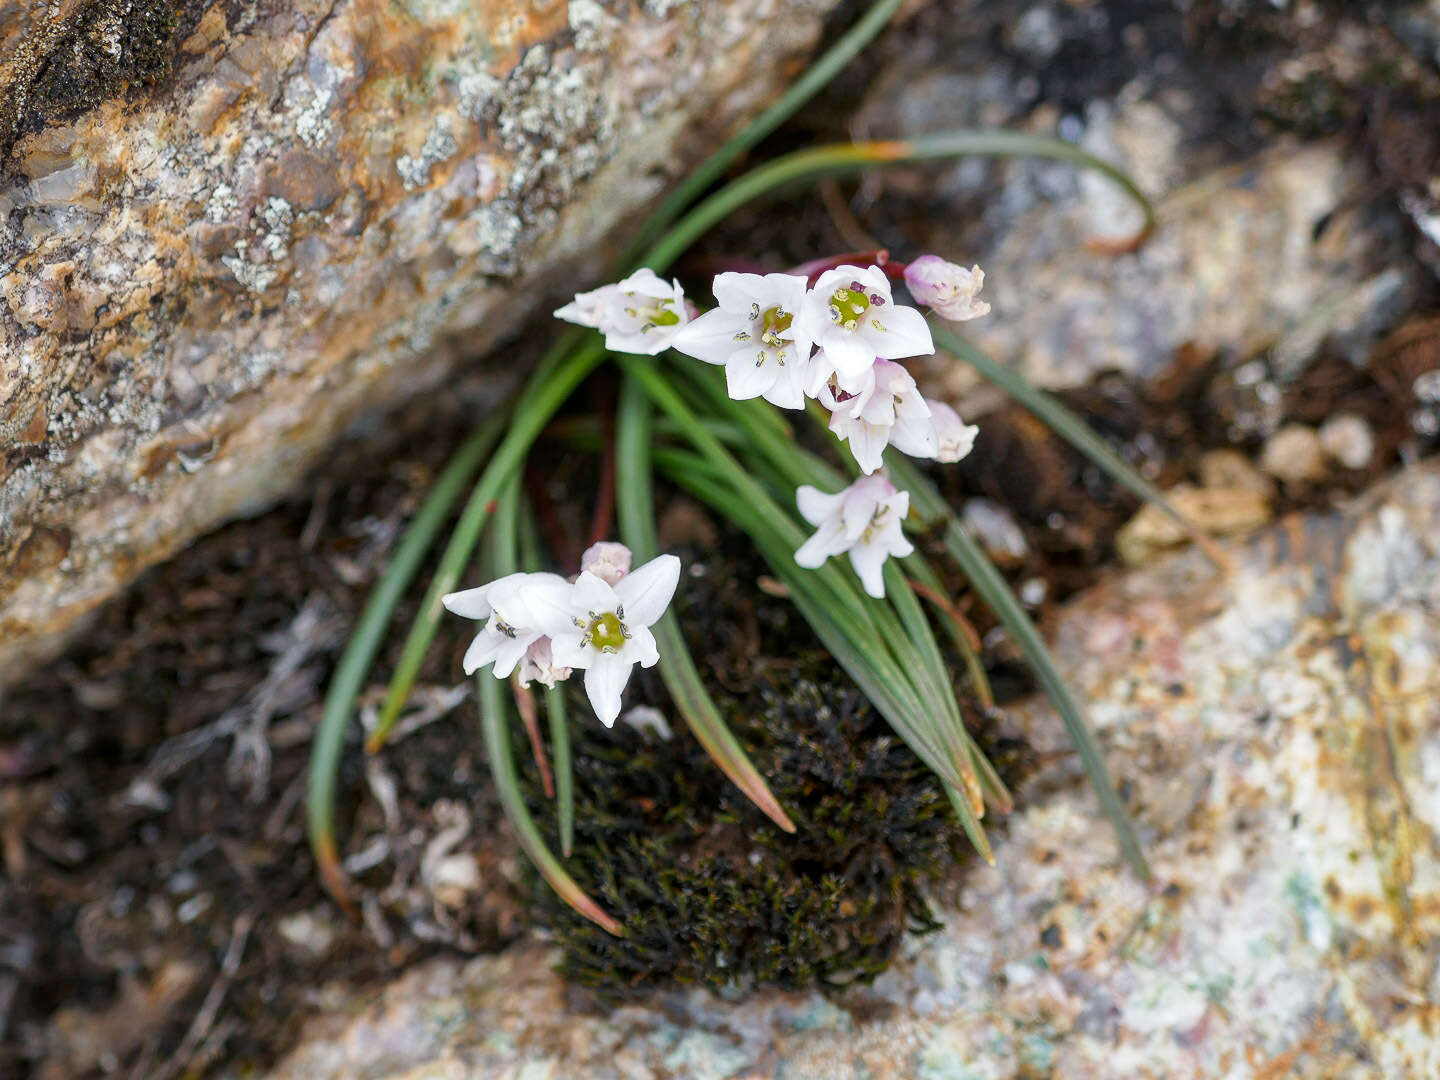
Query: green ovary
column 847, row 306
column 606, row 631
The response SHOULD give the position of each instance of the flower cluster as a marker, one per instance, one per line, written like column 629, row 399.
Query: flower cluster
column 784, row 339
column 548, row 626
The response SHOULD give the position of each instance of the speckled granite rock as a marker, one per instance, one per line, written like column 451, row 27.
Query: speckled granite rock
column 228, row 227
column 1279, row 737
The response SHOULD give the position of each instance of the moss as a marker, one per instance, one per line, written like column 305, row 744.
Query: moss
column 710, row 892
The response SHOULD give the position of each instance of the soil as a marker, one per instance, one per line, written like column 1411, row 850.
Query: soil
column 159, row 911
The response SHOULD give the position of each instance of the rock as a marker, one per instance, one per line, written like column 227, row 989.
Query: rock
column 1277, row 737
column 1348, row 439
column 1232, row 469
column 996, row 529
column 1294, row 454
column 228, row 231
column 1219, row 511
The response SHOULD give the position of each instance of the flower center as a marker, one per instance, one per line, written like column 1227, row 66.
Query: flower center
column 849, row 305
column 656, row 313
column 606, row 632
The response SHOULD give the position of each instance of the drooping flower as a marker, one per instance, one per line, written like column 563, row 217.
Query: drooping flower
column 891, row 412
column 950, row 290
column 641, row 314
column 852, row 316
column 607, row 560
column 508, row 606
column 864, row 520
column 954, row 437
column 605, row 629
column 753, row 333
column 538, row 665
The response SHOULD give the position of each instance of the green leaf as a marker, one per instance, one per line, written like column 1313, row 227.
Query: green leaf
column 636, row 505
column 369, row 632
column 987, row 581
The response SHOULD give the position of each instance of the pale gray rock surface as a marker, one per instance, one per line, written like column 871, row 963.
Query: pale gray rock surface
column 227, row 229
column 1278, row 735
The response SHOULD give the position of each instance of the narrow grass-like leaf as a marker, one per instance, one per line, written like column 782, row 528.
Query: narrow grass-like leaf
column 995, row 592
column 360, row 650
column 824, row 68
column 636, row 502
column 804, row 165
column 1073, row 430
column 543, row 394
column 491, row 692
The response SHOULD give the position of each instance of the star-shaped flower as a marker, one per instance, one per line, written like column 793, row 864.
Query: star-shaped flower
column 605, row 629
column 641, row 314
column 851, row 315
column 753, row 334
column 864, row 520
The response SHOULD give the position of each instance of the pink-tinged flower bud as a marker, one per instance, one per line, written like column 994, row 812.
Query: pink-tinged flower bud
column 954, row 438
column 952, row 291
column 608, row 561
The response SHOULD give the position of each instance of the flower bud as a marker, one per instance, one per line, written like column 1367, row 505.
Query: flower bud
column 952, row 291
column 954, row 437
column 608, row 561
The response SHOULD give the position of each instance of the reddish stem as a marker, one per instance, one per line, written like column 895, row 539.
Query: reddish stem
column 815, row 267
column 525, row 702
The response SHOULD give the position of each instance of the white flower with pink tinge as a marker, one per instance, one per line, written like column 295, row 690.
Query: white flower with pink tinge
column 889, row 411
column 851, row 314
column 511, row 627
column 605, row 629
column 954, row 438
column 948, row 289
column 641, row 314
column 864, row 520
column 752, row 333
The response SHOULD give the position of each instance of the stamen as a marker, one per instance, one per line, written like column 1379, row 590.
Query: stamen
column 754, row 312
column 743, row 335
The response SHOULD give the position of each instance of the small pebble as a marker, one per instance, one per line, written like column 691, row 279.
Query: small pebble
column 997, row 531
column 1232, row 469
column 1348, row 439
column 1294, row 454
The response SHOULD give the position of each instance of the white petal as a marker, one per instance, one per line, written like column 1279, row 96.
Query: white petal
column 736, row 292
column 906, row 334
column 605, row 680
column 566, row 650
column 744, row 379
column 471, row 603
column 915, row 436
column 852, row 355
column 482, row 650
column 646, row 591
column 869, row 563
column 641, row 647
column 867, row 443
column 510, row 652
column 711, row 337
column 815, row 506
column 788, row 391
column 590, row 593
column 828, row 540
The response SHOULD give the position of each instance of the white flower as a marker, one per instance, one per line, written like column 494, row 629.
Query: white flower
column 538, row 665
column 605, row 629
column 851, row 315
column 508, row 605
column 606, row 560
column 753, row 334
column 864, row 520
column 890, row 412
column 954, row 437
column 951, row 291
column 639, row 315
